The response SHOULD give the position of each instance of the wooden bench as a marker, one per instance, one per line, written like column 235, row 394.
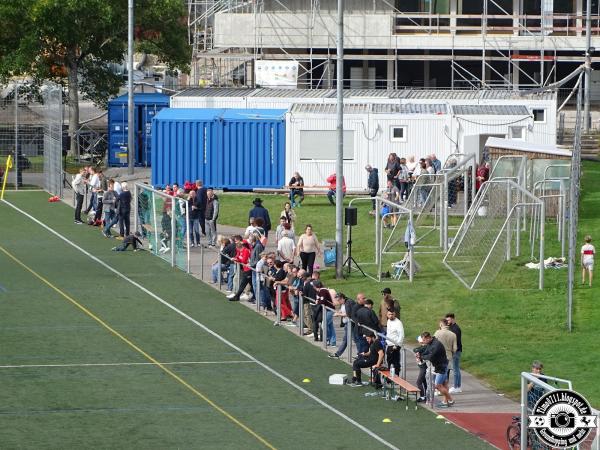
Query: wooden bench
column 402, row 384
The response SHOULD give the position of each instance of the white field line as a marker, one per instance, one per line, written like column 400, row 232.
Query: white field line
column 211, row 332
column 175, row 363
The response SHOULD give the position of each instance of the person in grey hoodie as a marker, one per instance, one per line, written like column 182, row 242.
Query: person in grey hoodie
column 211, row 214
column 109, row 205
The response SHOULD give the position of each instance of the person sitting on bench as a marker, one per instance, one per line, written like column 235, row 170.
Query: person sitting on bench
column 373, row 358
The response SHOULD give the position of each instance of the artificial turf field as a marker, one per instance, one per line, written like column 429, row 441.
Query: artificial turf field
column 153, row 358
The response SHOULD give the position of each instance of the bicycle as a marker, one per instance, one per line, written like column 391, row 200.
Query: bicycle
column 513, row 437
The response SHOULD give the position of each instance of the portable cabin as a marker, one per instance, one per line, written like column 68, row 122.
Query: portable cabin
column 238, row 149
column 146, row 106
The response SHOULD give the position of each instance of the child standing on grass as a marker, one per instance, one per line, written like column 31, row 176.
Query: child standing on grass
column 587, row 259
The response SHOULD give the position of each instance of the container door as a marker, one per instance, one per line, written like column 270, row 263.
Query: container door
column 144, row 153
column 117, row 139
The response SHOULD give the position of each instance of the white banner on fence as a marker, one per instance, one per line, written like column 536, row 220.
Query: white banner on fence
column 282, row 74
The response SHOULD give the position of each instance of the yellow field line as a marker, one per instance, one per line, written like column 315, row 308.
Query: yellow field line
column 139, row 350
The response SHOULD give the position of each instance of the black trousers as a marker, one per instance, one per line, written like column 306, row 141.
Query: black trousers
column 78, row 206
column 124, row 223
column 317, row 316
column 422, row 379
column 392, row 356
column 245, row 280
column 308, row 260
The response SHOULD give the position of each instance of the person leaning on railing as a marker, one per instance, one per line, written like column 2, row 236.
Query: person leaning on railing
column 242, row 257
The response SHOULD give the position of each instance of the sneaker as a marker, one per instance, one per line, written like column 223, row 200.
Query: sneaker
column 333, row 356
column 231, row 295
column 451, row 403
column 455, row 390
column 443, row 405
column 233, row 299
column 421, row 399
column 437, row 393
column 356, row 384
column 78, row 222
column 228, row 291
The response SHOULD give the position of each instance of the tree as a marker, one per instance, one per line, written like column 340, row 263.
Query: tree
column 73, row 42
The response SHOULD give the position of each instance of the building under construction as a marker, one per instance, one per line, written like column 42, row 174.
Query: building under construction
column 509, row 44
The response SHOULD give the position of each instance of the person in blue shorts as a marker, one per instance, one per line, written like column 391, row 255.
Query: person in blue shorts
column 435, row 353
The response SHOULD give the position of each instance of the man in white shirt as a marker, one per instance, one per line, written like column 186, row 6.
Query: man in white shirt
column 286, row 248
column 94, row 185
column 395, row 338
column 79, row 189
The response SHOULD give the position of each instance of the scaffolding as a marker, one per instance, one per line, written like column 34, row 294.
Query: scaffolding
column 503, row 39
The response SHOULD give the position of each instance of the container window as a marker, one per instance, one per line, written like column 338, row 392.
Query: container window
column 398, row 133
column 517, row 133
column 539, row 115
column 322, row 145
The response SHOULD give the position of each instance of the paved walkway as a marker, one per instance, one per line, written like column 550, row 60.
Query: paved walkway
column 476, row 398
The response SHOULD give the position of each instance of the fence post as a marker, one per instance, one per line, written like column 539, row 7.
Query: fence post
column 431, row 386
column 349, row 339
column 300, row 314
column 403, row 362
column 202, row 262
column 174, row 205
column 187, row 237
column 278, row 303
column 136, row 190
column 324, row 326
column 524, row 419
column 16, row 162
column 258, row 290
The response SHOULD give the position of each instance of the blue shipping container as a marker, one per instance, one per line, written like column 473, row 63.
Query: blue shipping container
column 146, row 107
column 226, row 148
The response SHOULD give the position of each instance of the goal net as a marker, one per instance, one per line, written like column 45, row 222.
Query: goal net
column 502, row 223
column 161, row 220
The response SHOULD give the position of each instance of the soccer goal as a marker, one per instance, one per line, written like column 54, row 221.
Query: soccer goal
column 161, row 219
column 492, row 233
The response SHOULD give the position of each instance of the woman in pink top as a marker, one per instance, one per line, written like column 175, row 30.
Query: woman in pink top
column 307, row 248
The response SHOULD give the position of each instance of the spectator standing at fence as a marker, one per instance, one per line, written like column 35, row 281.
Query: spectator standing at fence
column 255, row 257
column 359, row 340
column 200, row 201
column 289, row 214
column 372, row 357
column 392, row 167
column 395, row 338
column 587, row 259
column 331, row 193
column 211, row 214
column 453, row 326
column 324, row 299
column 308, row 247
column 194, row 219
column 242, row 257
column 387, row 302
column 365, row 317
column 124, row 210
column 259, row 211
column 311, row 286
column 372, row 185
column 344, row 312
column 403, row 180
column 296, row 186
column 93, row 185
column 295, row 283
column 482, row 175
column 103, row 186
column 79, row 187
column 109, row 203
column 435, row 352
column 221, row 264
column 422, row 377
column 280, row 284
column 448, row 340
column 280, row 228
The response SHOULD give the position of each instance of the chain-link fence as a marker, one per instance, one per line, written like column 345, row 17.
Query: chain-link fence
column 31, row 131
column 52, row 112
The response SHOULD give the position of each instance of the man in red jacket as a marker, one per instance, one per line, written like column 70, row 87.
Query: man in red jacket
column 332, row 180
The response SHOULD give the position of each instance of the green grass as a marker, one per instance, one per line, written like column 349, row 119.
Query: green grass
column 503, row 329
column 141, row 406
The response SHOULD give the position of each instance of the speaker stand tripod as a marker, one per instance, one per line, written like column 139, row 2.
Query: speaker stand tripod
column 349, row 259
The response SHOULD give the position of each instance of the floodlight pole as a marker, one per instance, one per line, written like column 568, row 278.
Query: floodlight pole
column 588, row 66
column 339, row 185
column 130, row 118
column 574, row 210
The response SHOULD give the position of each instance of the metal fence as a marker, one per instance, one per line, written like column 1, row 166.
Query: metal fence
column 31, row 131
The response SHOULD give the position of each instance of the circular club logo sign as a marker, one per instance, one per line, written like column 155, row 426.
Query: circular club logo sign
column 562, row 419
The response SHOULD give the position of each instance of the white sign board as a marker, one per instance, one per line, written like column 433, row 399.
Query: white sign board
column 281, row 74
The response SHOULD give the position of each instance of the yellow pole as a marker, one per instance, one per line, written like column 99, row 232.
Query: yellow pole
column 8, row 167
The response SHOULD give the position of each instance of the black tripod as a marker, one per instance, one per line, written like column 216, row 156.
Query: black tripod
column 350, row 259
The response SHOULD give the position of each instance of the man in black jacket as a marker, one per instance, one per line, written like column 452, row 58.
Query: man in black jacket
column 436, row 354
column 373, row 184
column 260, row 211
column 453, row 326
column 200, row 204
column 363, row 314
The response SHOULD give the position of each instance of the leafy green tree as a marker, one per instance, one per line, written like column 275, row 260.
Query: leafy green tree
column 73, row 42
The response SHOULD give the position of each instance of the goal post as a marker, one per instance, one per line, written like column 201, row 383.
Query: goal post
column 492, row 233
